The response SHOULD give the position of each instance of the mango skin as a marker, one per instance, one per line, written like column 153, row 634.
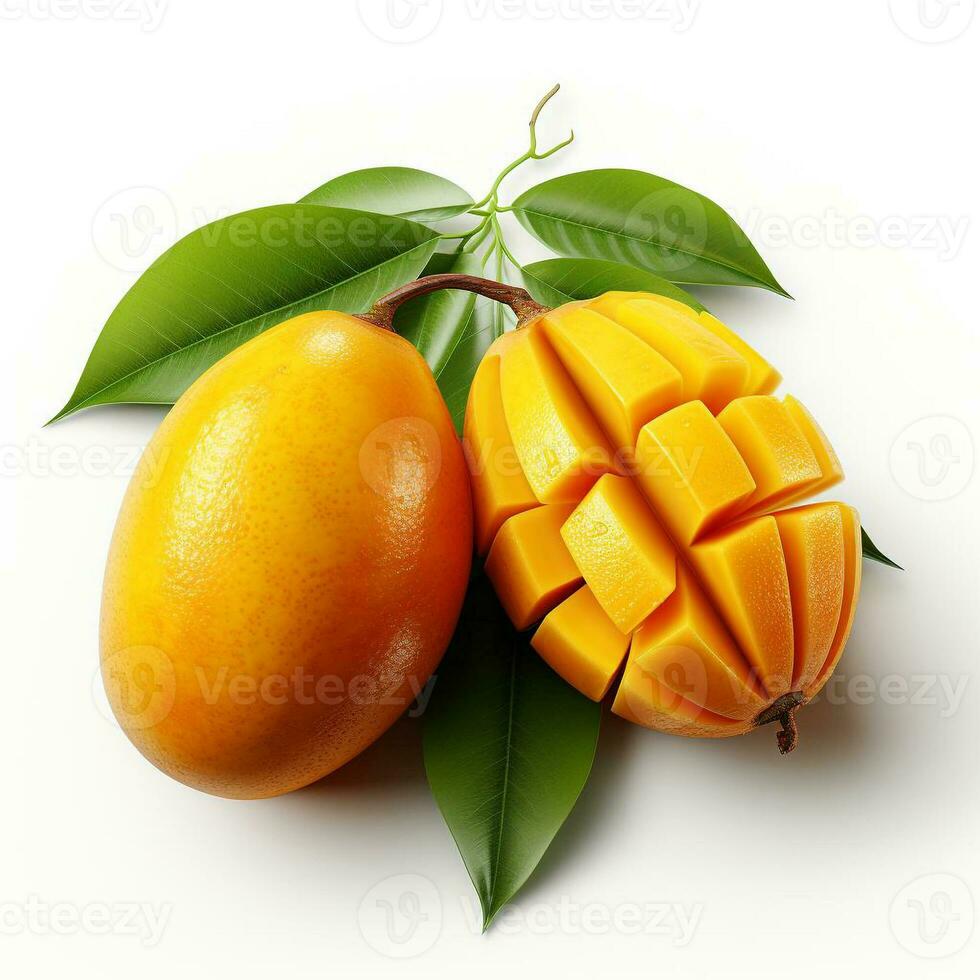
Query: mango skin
column 290, row 559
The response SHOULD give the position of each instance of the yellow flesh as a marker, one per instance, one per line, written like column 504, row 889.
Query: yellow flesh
column 645, row 528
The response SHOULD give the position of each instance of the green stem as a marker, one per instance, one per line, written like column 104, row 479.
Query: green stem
column 531, row 153
column 489, row 207
column 499, row 236
column 479, row 236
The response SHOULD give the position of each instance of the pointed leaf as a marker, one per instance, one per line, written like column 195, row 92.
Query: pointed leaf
column 401, row 191
column 508, row 748
column 557, row 281
column 873, row 553
column 646, row 221
column 456, row 376
column 230, row 280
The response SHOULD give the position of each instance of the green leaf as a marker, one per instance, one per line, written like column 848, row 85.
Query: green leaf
column 557, row 281
column 646, row 221
column 874, row 553
column 401, row 191
column 508, row 748
column 456, row 376
column 230, row 280
column 452, row 329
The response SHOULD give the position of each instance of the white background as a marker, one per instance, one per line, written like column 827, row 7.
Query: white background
column 843, row 136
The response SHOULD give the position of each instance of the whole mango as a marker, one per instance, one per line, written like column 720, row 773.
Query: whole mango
column 290, row 559
column 638, row 494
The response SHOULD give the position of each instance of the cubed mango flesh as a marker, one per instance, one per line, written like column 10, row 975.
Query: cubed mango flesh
column 582, row 644
column 611, row 530
column 654, row 528
column 529, row 565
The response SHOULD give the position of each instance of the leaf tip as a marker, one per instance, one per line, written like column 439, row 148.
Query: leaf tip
column 872, row 552
column 489, row 913
column 64, row 413
column 885, row 560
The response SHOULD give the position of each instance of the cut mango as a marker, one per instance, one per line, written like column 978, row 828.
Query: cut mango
column 529, row 565
column 774, row 448
column 622, row 551
column 712, row 371
column 582, row 644
column 500, row 488
column 561, row 447
column 744, row 572
column 626, row 382
column 813, row 545
column 691, row 471
column 647, row 530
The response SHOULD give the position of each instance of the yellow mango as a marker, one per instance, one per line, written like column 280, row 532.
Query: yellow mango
column 289, row 561
column 735, row 609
